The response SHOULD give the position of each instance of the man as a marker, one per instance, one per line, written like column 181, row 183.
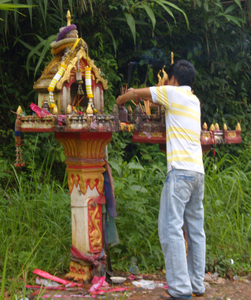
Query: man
column 181, row 200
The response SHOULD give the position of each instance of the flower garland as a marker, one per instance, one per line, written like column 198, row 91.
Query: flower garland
column 58, row 75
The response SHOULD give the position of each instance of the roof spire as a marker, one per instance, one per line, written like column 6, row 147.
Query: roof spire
column 68, row 17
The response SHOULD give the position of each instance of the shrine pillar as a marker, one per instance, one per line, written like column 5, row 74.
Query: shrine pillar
column 84, row 153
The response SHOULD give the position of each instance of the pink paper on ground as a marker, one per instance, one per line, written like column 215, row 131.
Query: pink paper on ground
column 118, row 289
column 97, row 285
column 55, row 278
column 49, row 276
column 95, row 280
column 67, row 296
column 61, row 288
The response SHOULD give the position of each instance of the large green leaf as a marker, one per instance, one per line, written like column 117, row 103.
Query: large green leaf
column 135, row 165
column 233, row 19
column 138, row 188
column 13, row 6
column 150, row 13
column 163, row 3
column 238, row 3
column 45, row 49
column 131, row 23
column 160, row 2
column 43, row 9
column 45, row 44
column 108, row 30
column 30, row 3
column 230, row 8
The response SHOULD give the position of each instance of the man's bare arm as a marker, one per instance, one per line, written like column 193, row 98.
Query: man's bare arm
column 134, row 94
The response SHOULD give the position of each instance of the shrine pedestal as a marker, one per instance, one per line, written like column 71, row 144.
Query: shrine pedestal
column 84, row 153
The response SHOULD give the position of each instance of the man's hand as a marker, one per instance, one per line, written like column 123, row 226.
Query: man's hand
column 133, row 94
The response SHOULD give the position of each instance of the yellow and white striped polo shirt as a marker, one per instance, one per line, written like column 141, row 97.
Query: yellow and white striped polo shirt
column 182, row 127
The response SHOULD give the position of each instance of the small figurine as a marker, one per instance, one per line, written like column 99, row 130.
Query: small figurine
column 89, row 109
column 68, row 109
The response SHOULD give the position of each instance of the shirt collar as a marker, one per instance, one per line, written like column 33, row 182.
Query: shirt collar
column 185, row 87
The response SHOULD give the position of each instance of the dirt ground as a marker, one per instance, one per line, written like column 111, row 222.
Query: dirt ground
column 216, row 289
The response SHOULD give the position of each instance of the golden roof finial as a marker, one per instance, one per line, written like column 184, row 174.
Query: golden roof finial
column 68, row 18
column 68, row 109
column 225, row 127
column 55, row 110
column 204, row 126
column 238, row 127
column 217, row 127
column 159, row 79
column 19, row 110
column 172, row 58
column 89, row 109
column 212, row 128
column 165, row 76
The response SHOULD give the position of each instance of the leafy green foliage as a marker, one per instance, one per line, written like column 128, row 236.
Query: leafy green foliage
column 227, row 213
column 137, row 197
column 34, row 202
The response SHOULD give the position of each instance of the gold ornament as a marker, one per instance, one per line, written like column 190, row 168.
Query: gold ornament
column 19, row 110
column 55, row 110
column 68, row 109
column 238, row 127
column 204, row 126
column 68, row 17
column 212, row 128
column 89, row 109
column 217, row 127
column 225, row 127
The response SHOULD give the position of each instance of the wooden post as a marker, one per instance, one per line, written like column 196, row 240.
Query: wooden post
column 84, row 153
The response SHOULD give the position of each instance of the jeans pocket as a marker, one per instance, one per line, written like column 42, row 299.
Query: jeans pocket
column 184, row 186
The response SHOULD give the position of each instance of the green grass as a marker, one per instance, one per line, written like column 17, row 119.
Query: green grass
column 35, row 218
column 228, row 214
column 35, row 215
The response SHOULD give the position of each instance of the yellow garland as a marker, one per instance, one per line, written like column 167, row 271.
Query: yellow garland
column 58, row 75
column 74, row 46
column 60, row 71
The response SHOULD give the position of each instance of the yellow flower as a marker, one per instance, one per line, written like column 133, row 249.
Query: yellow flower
column 51, row 105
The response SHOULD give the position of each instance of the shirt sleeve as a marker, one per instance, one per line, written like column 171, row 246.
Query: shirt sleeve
column 160, row 95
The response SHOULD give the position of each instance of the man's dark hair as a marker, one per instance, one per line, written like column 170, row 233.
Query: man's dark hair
column 183, row 71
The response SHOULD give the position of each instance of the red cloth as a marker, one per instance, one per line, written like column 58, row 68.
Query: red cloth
column 91, row 258
column 100, row 199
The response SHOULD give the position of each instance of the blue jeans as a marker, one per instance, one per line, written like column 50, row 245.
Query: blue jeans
column 181, row 207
